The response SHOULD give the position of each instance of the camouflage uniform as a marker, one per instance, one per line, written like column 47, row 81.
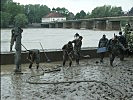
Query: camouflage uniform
column 102, row 43
column 122, row 40
column 16, row 37
column 67, row 53
column 114, row 47
column 34, row 56
column 77, row 48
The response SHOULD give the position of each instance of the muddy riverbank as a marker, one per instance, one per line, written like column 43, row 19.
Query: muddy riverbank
column 88, row 81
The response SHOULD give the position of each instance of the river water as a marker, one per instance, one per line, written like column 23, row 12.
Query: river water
column 52, row 38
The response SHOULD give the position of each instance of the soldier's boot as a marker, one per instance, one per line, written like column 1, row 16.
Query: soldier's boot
column 101, row 61
column 70, row 64
column 63, row 63
column 37, row 67
column 77, row 61
column 17, row 69
column 30, row 66
column 122, row 58
column 111, row 63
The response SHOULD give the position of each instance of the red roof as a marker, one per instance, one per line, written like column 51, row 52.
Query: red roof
column 53, row 15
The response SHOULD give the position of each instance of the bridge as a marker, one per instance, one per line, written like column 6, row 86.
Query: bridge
column 105, row 23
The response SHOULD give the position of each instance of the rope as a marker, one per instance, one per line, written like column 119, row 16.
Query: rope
column 63, row 82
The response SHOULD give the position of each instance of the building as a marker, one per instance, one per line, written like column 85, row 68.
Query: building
column 53, row 17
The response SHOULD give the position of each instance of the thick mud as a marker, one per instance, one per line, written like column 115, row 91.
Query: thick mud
column 87, row 81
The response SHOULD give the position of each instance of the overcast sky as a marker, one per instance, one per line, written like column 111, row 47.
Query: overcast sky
column 78, row 5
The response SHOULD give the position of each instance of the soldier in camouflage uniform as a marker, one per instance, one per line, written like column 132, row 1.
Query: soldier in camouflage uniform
column 67, row 53
column 102, row 43
column 34, row 56
column 16, row 37
column 77, row 48
column 114, row 47
column 122, row 40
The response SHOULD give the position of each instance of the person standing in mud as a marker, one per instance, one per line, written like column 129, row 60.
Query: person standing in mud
column 34, row 56
column 102, row 44
column 77, row 48
column 16, row 37
column 114, row 47
column 122, row 40
column 67, row 53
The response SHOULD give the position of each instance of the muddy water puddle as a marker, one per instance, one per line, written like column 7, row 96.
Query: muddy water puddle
column 88, row 81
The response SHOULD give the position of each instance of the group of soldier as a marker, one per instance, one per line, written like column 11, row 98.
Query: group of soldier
column 115, row 46
column 69, row 51
column 34, row 54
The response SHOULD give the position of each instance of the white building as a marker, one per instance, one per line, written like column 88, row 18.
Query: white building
column 53, row 17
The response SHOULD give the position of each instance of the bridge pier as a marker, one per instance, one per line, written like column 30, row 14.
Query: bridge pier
column 59, row 25
column 87, row 24
column 45, row 25
column 115, row 25
column 67, row 25
column 51, row 25
column 76, row 25
column 108, row 25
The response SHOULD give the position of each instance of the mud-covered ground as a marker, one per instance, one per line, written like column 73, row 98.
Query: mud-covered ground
column 88, row 81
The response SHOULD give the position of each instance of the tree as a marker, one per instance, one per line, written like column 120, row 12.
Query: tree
column 106, row 11
column 116, row 11
column 88, row 15
column 20, row 20
column 5, row 19
column 14, row 9
column 62, row 11
column 70, row 16
column 77, row 16
column 130, row 13
column 36, row 12
column 82, row 14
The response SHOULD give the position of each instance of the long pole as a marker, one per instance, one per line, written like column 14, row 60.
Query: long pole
column 24, row 47
column 48, row 60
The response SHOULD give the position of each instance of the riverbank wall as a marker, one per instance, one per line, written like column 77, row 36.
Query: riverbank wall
column 53, row 55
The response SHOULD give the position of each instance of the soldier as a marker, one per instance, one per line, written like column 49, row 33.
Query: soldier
column 102, row 44
column 16, row 37
column 67, row 53
column 34, row 56
column 77, row 48
column 114, row 47
column 122, row 40
column 76, row 36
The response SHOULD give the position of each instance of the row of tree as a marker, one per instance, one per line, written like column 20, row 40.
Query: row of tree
column 13, row 13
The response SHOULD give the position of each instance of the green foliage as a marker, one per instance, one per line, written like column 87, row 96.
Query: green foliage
column 106, row 11
column 88, row 15
column 77, row 16
column 20, row 20
column 36, row 12
column 80, row 15
column 13, row 9
column 130, row 13
column 62, row 11
column 70, row 16
column 5, row 19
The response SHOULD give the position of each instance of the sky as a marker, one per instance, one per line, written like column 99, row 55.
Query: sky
column 76, row 6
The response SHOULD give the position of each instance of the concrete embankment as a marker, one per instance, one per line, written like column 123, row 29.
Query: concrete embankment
column 53, row 55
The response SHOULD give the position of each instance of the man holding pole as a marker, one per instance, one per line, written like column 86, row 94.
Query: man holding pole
column 16, row 37
column 67, row 53
column 34, row 56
